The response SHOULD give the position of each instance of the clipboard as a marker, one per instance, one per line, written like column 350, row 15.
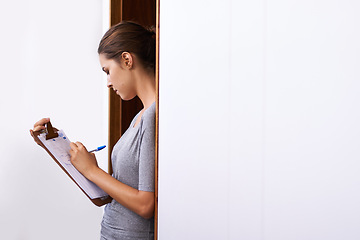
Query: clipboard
column 52, row 134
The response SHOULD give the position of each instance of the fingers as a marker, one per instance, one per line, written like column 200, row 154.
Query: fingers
column 40, row 125
column 77, row 146
column 80, row 145
column 73, row 146
column 42, row 122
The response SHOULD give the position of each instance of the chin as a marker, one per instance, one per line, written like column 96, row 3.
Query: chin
column 127, row 98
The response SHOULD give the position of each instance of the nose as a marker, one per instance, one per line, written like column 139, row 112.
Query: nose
column 108, row 83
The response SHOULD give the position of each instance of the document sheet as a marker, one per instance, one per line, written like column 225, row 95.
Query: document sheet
column 60, row 149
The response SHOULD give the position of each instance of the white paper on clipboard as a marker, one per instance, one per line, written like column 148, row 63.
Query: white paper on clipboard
column 60, row 149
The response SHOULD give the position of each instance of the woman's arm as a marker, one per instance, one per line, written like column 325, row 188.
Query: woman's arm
column 140, row 202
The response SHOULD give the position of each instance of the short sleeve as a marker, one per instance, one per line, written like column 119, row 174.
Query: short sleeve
column 147, row 152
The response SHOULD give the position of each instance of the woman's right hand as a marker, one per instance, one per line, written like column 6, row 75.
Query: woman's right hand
column 39, row 125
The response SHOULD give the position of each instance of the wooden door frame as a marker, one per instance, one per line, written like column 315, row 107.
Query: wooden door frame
column 120, row 112
column 157, row 68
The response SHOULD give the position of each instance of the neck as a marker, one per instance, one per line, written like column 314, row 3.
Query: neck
column 146, row 88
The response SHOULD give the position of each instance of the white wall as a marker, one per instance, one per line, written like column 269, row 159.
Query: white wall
column 49, row 68
column 259, row 113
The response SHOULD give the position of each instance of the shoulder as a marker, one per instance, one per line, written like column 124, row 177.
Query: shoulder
column 149, row 114
column 148, row 118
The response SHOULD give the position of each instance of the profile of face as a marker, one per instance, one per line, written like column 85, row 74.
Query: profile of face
column 119, row 75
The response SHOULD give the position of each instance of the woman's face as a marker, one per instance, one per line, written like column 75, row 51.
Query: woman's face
column 119, row 77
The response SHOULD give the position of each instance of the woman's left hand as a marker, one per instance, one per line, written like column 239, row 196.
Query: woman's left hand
column 82, row 160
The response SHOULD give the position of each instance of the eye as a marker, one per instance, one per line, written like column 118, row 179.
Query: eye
column 105, row 70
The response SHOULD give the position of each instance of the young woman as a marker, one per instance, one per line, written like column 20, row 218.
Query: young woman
column 127, row 56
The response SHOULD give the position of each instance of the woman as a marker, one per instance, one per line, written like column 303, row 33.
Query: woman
column 127, row 56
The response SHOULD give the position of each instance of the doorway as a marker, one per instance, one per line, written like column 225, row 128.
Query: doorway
column 122, row 112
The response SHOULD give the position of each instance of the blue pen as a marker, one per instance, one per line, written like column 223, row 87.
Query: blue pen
column 97, row 149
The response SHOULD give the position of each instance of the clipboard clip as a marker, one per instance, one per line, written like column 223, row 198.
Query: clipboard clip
column 50, row 132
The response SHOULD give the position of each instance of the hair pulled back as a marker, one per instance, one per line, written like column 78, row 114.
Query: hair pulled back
column 129, row 37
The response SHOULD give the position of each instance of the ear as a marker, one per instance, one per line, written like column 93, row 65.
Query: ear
column 128, row 59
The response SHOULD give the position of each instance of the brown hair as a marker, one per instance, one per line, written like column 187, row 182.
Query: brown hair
column 129, row 37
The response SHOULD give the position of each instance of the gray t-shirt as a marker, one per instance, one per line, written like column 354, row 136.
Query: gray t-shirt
column 133, row 162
